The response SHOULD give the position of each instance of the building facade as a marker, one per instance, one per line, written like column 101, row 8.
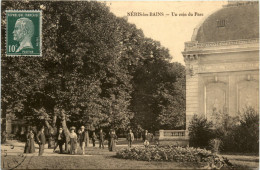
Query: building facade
column 222, row 62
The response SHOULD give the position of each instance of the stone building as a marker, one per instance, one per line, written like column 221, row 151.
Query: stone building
column 222, row 62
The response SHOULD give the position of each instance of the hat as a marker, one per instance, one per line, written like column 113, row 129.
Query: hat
column 61, row 128
column 72, row 128
column 82, row 127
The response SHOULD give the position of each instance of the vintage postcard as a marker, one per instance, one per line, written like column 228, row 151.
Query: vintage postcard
column 129, row 84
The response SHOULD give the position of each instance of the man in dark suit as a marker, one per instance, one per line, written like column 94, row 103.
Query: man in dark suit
column 41, row 141
column 101, row 139
column 60, row 138
column 83, row 139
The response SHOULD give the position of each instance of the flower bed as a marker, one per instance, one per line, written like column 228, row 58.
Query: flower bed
column 172, row 153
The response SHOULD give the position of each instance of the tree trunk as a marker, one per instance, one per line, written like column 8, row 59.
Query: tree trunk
column 54, row 120
column 65, row 129
column 52, row 129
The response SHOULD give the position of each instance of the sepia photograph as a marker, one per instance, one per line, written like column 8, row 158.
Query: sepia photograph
column 88, row 84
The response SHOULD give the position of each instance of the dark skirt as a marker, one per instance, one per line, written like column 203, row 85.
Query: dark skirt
column 29, row 146
column 112, row 144
column 73, row 145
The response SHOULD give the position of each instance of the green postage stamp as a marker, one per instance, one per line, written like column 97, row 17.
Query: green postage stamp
column 23, row 33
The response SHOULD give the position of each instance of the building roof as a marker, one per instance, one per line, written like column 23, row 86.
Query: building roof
column 232, row 22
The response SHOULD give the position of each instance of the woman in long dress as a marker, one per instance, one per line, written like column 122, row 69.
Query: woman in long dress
column 73, row 141
column 29, row 146
column 112, row 142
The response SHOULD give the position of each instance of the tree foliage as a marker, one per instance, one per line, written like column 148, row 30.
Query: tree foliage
column 159, row 96
column 96, row 70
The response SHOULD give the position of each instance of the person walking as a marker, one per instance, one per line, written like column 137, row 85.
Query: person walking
column 112, row 141
column 130, row 138
column 101, row 139
column 29, row 146
column 94, row 137
column 73, row 140
column 41, row 141
column 60, row 140
column 83, row 139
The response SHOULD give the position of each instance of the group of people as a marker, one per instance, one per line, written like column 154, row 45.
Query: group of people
column 30, row 138
column 146, row 138
column 77, row 141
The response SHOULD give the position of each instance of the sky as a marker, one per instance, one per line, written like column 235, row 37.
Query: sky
column 171, row 31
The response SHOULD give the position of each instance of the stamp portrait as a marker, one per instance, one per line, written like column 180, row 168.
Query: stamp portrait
column 23, row 33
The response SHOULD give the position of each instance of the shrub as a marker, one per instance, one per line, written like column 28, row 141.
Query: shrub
column 172, row 153
column 233, row 134
column 215, row 145
column 224, row 130
column 200, row 131
column 239, row 134
column 246, row 135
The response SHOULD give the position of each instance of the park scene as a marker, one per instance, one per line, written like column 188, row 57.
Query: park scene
column 98, row 93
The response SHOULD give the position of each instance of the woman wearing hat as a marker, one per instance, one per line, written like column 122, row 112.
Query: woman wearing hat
column 29, row 146
column 112, row 140
column 73, row 140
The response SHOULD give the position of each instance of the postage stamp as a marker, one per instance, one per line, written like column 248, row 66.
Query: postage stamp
column 23, row 33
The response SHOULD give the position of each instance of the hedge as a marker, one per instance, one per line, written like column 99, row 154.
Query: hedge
column 173, row 154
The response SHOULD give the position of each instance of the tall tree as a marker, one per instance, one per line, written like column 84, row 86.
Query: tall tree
column 96, row 70
column 159, row 96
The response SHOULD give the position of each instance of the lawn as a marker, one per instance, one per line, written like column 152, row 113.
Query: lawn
column 95, row 162
column 96, row 159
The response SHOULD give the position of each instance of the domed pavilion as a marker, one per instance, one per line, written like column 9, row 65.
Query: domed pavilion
column 222, row 62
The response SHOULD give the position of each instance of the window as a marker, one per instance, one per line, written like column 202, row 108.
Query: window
column 221, row 23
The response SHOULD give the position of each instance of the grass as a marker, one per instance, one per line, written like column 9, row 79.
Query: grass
column 99, row 159
column 95, row 162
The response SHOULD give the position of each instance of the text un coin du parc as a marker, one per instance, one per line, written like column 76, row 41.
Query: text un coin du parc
column 174, row 14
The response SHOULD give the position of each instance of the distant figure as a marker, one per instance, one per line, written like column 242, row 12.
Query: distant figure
column 23, row 32
column 94, row 137
column 101, row 139
column 79, row 135
column 50, row 137
column 112, row 141
column 108, row 139
column 60, row 140
column 3, row 137
column 29, row 145
column 79, row 150
column 73, row 141
column 41, row 141
column 151, row 137
column 83, row 139
column 130, row 138
column 146, row 138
